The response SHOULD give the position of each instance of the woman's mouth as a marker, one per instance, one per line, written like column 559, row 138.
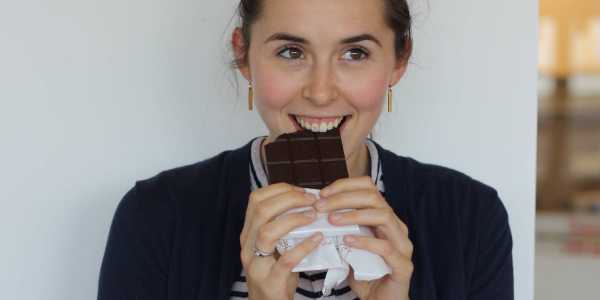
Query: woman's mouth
column 317, row 124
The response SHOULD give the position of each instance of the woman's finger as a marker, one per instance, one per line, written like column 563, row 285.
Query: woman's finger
column 290, row 259
column 400, row 263
column 268, row 209
column 384, row 220
column 369, row 217
column 272, row 190
column 348, row 184
column 270, row 233
column 365, row 198
column 260, row 195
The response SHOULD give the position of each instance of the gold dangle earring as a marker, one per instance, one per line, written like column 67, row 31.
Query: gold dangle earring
column 250, row 96
column 389, row 98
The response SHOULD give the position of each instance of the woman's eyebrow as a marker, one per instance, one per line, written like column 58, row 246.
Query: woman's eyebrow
column 360, row 38
column 282, row 36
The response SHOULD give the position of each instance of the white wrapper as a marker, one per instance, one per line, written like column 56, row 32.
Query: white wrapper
column 332, row 254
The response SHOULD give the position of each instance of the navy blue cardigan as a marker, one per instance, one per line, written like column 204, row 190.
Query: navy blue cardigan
column 176, row 235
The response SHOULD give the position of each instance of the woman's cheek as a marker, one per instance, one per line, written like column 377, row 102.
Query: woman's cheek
column 273, row 90
column 367, row 94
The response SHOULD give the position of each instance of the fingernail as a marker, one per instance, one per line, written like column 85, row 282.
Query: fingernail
column 310, row 213
column 310, row 196
column 298, row 189
column 317, row 237
column 349, row 239
column 336, row 216
column 320, row 204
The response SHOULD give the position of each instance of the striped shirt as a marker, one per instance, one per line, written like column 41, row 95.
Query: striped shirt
column 311, row 282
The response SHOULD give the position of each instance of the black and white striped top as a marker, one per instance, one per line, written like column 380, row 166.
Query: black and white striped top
column 310, row 283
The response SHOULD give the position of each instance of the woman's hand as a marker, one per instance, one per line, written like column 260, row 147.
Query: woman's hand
column 391, row 240
column 270, row 277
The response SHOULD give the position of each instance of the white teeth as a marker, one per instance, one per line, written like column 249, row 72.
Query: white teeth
column 323, row 127
column 315, row 127
column 319, row 127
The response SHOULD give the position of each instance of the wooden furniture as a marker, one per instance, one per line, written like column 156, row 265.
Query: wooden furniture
column 569, row 45
column 573, row 23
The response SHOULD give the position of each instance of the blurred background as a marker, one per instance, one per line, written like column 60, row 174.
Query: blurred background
column 568, row 186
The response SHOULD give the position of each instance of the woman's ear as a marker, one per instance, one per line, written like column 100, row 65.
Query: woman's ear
column 240, row 50
column 399, row 70
column 401, row 63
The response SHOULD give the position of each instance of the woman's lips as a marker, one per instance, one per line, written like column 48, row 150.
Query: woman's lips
column 344, row 123
column 295, row 124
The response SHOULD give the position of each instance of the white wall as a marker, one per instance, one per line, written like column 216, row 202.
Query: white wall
column 469, row 102
column 97, row 94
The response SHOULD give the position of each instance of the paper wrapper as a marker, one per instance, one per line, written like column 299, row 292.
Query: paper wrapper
column 332, row 254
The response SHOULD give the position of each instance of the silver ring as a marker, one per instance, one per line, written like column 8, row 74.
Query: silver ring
column 260, row 253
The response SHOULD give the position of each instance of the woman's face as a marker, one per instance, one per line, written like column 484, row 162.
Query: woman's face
column 314, row 62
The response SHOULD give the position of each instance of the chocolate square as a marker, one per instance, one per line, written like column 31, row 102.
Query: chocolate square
column 306, row 159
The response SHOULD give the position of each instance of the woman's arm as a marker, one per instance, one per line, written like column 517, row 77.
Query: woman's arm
column 135, row 263
column 493, row 274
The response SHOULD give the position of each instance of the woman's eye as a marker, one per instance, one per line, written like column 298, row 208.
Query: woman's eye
column 291, row 53
column 355, row 54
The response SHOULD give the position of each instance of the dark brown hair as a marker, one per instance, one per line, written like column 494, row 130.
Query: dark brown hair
column 397, row 16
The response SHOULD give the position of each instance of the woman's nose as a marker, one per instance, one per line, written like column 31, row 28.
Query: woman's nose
column 321, row 88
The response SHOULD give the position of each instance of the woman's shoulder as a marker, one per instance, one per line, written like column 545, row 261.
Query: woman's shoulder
column 202, row 174
column 442, row 202
column 430, row 186
column 195, row 184
column 427, row 175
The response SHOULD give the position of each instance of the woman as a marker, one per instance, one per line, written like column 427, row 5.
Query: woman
column 208, row 230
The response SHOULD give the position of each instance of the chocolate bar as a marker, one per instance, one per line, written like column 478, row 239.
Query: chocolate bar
column 306, row 159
